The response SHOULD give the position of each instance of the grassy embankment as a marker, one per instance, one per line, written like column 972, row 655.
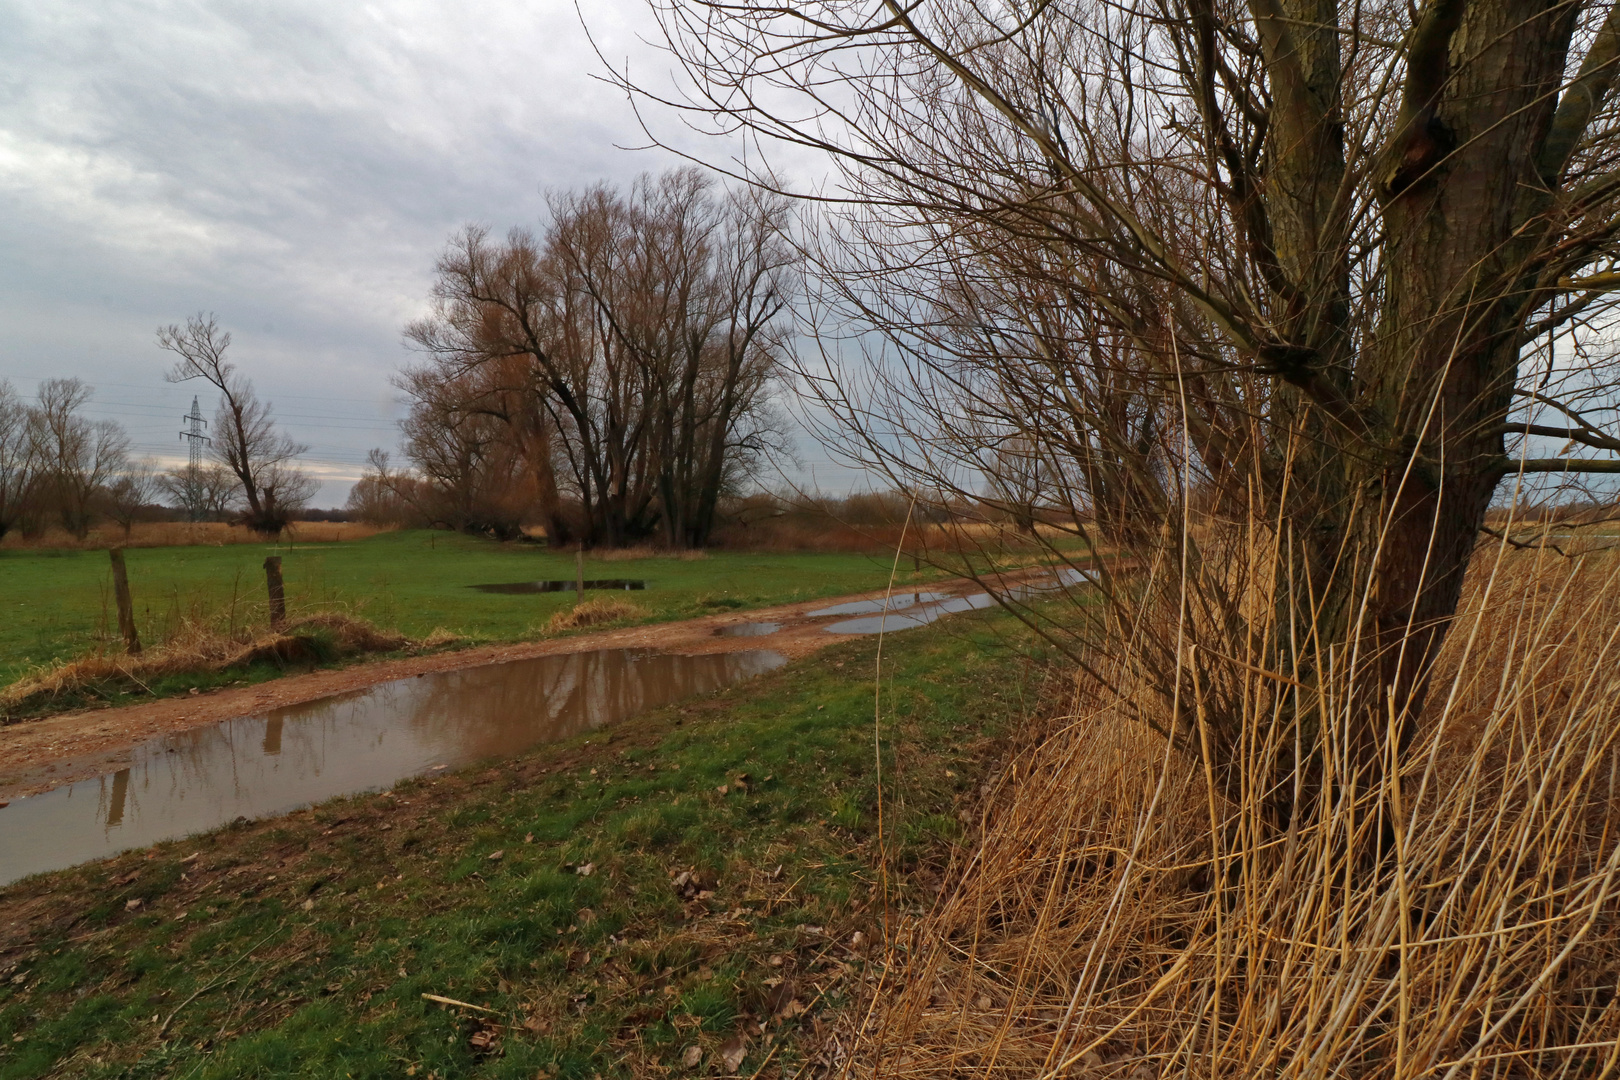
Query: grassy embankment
column 302, row 946
column 57, row 603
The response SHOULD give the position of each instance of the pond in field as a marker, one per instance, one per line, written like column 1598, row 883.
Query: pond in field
column 559, row 586
column 268, row 764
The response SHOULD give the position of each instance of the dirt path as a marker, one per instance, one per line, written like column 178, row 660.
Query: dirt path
column 38, row 755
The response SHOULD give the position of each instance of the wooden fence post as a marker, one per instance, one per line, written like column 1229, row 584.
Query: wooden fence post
column 278, row 593
column 126, row 608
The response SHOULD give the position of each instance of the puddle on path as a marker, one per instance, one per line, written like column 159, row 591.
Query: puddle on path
column 258, row 766
column 865, row 607
column 748, row 629
column 558, row 586
column 915, row 614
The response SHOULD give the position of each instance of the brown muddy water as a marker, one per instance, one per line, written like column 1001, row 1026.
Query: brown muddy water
column 258, row 766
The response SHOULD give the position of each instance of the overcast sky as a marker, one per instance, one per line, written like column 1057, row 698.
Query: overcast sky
column 293, row 167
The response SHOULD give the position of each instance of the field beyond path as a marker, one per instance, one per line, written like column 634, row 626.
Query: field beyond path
column 57, row 604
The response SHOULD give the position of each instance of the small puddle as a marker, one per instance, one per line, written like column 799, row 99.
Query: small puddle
column 912, row 615
column 558, row 586
column 748, row 629
column 258, row 766
column 894, row 603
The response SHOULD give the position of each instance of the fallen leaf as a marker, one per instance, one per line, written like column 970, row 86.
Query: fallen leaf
column 189, row 859
column 780, row 997
column 132, row 905
column 723, row 789
column 857, row 940
column 585, row 916
column 496, row 856
column 984, row 1001
column 732, row 1052
column 309, row 905
column 578, row 959
column 1091, row 1060
column 485, row 1039
column 586, row 870
column 693, row 1056
column 528, row 838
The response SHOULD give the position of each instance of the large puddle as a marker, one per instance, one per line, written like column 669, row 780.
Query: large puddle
column 891, row 603
column 263, row 765
column 907, row 611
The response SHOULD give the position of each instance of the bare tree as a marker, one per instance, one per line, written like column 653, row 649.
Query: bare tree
column 206, row 492
column 19, row 463
column 246, row 440
column 383, row 496
column 460, row 437
column 77, row 455
column 646, row 326
column 131, row 490
column 1331, row 242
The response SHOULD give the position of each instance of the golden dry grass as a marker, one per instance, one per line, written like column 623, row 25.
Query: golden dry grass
column 595, row 612
column 1120, row 917
column 200, row 645
column 183, row 533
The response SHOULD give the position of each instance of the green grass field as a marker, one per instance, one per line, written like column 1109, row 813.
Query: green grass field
column 302, row 946
column 57, row 604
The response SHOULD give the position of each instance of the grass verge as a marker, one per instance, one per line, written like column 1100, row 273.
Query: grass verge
column 680, row 895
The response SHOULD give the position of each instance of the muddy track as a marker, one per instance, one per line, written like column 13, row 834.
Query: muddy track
column 38, row 755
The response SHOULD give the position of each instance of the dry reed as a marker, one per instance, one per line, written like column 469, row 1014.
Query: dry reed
column 595, row 612
column 1121, row 917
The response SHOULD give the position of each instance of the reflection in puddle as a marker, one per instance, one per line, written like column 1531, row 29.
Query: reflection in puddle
column 748, row 629
column 912, row 615
column 263, row 765
column 893, row 603
column 559, row 586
